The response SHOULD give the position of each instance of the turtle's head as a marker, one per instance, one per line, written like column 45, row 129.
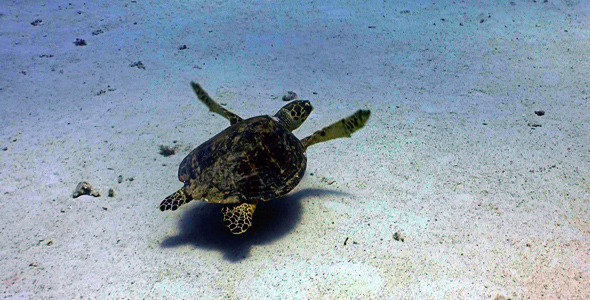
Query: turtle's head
column 294, row 113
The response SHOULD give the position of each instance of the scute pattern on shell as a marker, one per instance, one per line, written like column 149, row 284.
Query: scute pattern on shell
column 256, row 159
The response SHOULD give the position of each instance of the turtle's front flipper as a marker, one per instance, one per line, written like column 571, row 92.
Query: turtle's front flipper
column 342, row 128
column 238, row 218
column 175, row 200
column 214, row 106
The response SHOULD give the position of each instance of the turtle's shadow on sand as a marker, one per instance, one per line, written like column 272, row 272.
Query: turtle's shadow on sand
column 202, row 226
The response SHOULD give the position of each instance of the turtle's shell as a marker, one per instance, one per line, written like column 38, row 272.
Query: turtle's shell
column 255, row 159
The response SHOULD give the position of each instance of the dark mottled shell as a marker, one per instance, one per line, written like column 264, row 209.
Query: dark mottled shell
column 256, row 159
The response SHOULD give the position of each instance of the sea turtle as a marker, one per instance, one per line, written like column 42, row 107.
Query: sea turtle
column 257, row 159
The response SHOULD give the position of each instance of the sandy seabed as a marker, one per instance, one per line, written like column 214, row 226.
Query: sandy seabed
column 458, row 187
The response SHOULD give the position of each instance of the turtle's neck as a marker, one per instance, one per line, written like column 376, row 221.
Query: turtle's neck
column 285, row 119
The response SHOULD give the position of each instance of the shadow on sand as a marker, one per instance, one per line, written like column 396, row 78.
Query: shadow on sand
column 202, row 227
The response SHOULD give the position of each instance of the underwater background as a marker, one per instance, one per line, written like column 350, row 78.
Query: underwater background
column 471, row 179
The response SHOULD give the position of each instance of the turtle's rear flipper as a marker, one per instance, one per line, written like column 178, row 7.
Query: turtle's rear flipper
column 214, row 106
column 342, row 128
column 238, row 218
column 175, row 200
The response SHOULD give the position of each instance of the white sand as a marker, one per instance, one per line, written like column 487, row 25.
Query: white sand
column 488, row 205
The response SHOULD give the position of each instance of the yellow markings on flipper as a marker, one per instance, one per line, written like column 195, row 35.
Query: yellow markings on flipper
column 238, row 218
column 340, row 129
column 174, row 201
column 214, row 106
